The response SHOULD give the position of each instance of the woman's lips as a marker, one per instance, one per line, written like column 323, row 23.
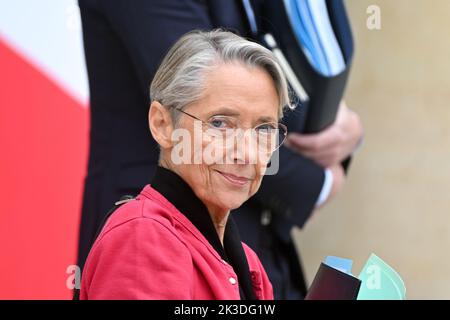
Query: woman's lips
column 235, row 180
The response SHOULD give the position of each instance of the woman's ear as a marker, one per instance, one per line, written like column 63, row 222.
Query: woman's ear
column 160, row 123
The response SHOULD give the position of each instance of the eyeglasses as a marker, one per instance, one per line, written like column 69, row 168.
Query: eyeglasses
column 269, row 135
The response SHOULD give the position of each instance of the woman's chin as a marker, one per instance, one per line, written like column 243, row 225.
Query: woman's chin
column 232, row 201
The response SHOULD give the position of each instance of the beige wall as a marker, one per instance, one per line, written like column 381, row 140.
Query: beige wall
column 396, row 202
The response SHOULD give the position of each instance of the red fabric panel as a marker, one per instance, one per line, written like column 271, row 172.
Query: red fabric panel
column 43, row 154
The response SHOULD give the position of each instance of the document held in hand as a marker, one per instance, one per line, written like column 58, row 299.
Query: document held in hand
column 377, row 281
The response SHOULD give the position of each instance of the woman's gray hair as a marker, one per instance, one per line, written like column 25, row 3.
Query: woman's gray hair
column 179, row 80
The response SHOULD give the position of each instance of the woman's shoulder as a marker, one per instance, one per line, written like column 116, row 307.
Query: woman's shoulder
column 140, row 217
column 127, row 257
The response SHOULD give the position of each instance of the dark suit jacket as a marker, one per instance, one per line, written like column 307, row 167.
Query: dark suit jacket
column 124, row 43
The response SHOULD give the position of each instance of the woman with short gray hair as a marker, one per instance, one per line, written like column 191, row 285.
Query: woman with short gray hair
column 216, row 103
column 180, row 78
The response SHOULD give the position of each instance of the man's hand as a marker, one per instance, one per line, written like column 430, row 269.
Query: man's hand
column 332, row 145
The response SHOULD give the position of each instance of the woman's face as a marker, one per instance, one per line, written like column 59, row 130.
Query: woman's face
column 248, row 97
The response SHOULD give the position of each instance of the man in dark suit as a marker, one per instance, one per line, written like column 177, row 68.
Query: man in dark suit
column 124, row 43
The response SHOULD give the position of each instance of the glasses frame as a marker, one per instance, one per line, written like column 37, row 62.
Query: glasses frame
column 279, row 124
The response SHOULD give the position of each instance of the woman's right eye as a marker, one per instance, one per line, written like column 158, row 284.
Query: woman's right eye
column 219, row 123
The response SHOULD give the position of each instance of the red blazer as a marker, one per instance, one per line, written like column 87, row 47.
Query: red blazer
column 150, row 250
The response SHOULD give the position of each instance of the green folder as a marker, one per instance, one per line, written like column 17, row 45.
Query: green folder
column 380, row 281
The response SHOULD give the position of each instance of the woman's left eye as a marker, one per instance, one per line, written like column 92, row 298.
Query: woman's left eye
column 266, row 128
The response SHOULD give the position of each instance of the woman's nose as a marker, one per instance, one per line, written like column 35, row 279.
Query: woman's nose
column 245, row 148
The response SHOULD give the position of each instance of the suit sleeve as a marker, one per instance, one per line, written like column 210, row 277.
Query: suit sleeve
column 140, row 259
column 292, row 193
column 148, row 29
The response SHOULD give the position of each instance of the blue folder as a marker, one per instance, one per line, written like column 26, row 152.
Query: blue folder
column 313, row 41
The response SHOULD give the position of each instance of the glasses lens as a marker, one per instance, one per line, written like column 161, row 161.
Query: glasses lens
column 220, row 126
column 225, row 132
column 270, row 136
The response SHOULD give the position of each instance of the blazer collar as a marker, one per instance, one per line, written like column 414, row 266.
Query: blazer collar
column 179, row 193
